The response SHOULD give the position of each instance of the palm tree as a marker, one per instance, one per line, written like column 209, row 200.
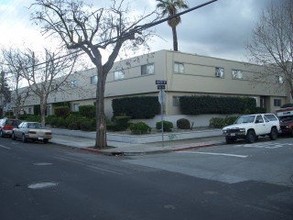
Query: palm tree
column 170, row 8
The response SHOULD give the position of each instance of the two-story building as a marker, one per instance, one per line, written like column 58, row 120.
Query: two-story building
column 186, row 75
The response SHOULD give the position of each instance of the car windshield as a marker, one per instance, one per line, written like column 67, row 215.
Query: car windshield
column 34, row 125
column 245, row 119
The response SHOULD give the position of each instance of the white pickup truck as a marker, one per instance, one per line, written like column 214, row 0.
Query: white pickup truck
column 250, row 127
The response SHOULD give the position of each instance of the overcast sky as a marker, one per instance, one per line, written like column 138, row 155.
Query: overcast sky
column 221, row 29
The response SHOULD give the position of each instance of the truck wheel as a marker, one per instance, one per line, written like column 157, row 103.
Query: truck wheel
column 250, row 136
column 274, row 134
column 230, row 140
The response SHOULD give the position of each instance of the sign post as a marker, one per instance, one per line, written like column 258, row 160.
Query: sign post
column 161, row 85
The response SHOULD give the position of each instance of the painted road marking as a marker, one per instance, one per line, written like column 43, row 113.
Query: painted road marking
column 265, row 145
column 42, row 185
column 42, row 164
column 216, row 154
column 7, row 148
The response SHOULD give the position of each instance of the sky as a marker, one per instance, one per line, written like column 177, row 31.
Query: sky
column 221, row 29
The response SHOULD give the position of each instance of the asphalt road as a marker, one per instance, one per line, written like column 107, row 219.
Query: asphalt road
column 40, row 181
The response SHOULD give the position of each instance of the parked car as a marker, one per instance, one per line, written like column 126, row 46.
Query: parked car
column 285, row 116
column 31, row 131
column 250, row 127
column 6, row 126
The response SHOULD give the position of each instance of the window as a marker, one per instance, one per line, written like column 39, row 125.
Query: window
column 73, row 83
column 219, row 72
column 176, row 100
column 119, row 75
column 271, row 117
column 94, row 80
column 280, row 79
column 178, row 67
column 259, row 119
column 237, row 74
column 75, row 107
column 277, row 102
column 147, row 69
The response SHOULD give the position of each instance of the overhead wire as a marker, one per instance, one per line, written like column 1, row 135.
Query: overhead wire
column 136, row 29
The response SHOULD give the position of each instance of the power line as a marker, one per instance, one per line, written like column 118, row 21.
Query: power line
column 136, row 29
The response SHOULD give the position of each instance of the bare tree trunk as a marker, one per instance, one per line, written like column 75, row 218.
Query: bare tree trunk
column 175, row 39
column 101, row 133
column 43, row 107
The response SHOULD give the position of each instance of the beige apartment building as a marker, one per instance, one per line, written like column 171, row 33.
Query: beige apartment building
column 186, row 75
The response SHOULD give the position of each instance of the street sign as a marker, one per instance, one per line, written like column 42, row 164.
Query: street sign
column 161, row 82
column 161, row 86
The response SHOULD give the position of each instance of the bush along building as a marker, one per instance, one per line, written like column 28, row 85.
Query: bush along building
column 198, row 88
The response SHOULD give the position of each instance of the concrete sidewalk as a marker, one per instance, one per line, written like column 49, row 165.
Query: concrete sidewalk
column 86, row 140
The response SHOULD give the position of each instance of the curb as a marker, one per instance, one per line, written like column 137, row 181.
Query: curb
column 137, row 153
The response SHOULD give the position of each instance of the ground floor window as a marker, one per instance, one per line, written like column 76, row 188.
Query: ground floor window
column 277, row 102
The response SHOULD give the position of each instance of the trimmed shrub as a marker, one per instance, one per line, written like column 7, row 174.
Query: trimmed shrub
column 194, row 105
column 87, row 125
column 183, row 123
column 88, row 111
column 34, row 118
column 121, row 123
column 166, row 124
column 140, row 128
column 62, row 111
column 143, row 107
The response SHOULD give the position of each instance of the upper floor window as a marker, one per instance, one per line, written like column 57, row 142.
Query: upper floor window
column 94, row 80
column 147, row 69
column 280, row 79
column 178, row 67
column 119, row 75
column 74, row 83
column 219, row 72
column 237, row 74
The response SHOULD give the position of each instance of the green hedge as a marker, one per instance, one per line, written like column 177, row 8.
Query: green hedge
column 195, row 105
column 88, row 111
column 222, row 122
column 62, row 111
column 143, row 107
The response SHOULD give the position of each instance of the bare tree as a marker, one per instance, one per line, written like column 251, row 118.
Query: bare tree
column 41, row 76
column 272, row 43
column 14, row 63
column 93, row 30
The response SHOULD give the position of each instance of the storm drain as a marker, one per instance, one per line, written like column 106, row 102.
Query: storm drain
column 42, row 185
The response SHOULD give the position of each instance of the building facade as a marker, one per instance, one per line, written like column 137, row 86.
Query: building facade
column 186, row 75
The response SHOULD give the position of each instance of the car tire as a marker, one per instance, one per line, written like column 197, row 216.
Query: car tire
column 45, row 141
column 274, row 134
column 24, row 140
column 230, row 140
column 250, row 136
column 13, row 136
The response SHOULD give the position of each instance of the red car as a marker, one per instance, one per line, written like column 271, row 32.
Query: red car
column 6, row 126
column 286, row 120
